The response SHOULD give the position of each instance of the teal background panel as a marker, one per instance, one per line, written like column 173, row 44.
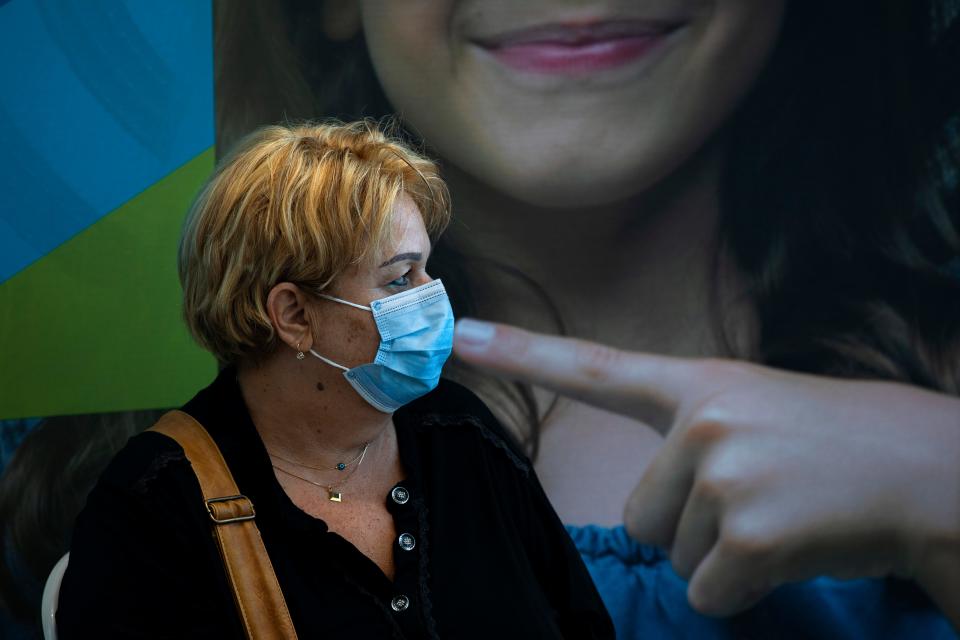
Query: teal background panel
column 100, row 99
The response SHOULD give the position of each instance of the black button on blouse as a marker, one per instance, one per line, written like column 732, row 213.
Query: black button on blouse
column 479, row 551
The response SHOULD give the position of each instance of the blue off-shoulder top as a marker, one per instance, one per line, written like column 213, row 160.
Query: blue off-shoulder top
column 646, row 599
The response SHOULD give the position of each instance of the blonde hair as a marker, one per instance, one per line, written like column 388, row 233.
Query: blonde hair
column 293, row 204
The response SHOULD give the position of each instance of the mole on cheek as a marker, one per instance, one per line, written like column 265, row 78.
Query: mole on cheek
column 320, row 386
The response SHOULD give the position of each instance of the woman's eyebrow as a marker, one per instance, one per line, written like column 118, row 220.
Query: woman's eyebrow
column 416, row 257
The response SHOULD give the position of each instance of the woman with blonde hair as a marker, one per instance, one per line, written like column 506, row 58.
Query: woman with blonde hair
column 390, row 503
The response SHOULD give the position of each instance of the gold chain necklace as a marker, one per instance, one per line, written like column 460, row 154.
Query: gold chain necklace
column 333, row 490
column 340, row 466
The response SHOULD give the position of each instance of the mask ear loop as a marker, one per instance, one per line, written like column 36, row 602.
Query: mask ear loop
column 329, row 362
column 346, row 302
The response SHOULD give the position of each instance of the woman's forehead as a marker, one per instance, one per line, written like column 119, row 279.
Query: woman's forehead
column 407, row 229
column 407, row 239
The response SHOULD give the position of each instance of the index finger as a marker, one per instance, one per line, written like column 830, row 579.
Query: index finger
column 647, row 387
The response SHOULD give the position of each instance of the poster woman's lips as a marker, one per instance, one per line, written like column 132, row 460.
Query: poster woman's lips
column 577, row 48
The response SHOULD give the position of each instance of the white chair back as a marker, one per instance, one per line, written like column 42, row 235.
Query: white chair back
column 51, row 595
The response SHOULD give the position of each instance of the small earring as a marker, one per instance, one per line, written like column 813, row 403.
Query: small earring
column 300, row 355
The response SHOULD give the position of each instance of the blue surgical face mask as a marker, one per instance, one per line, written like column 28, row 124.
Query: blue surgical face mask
column 416, row 338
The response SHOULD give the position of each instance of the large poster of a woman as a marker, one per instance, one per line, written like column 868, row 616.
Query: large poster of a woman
column 736, row 180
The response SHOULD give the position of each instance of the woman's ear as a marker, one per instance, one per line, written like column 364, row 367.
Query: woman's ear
column 341, row 19
column 287, row 307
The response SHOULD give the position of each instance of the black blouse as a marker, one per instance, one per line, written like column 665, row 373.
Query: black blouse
column 483, row 554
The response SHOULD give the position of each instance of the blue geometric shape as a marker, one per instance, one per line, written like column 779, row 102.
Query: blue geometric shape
column 102, row 98
column 12, row 433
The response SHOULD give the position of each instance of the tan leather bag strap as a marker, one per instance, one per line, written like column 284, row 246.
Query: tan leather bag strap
column 249, row 570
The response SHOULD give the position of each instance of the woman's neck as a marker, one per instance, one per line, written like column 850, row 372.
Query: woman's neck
column 635, row 274
column 313, row 422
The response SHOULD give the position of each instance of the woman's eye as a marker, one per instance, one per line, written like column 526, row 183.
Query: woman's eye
column 402, row 281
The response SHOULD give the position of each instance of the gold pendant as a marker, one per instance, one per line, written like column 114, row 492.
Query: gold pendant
column 335, row 496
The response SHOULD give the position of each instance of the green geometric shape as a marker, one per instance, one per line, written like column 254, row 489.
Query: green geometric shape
column 95, row 325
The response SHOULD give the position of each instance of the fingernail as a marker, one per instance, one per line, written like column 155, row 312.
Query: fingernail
column 474, row 333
